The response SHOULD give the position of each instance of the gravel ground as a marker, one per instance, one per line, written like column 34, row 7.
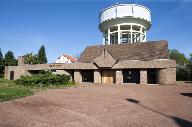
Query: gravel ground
column 102, row 106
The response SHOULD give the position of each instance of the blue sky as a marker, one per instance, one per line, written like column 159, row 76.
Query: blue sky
column 69, row 26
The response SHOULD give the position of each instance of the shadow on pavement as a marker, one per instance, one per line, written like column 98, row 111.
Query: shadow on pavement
column 182, row 122
column 186, row 94
column 177, row 120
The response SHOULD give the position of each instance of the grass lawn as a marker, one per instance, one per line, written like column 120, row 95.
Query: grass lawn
column 9, row 91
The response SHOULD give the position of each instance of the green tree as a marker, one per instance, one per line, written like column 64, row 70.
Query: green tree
column 189, row 67
column 9, row 59
column 177, row 56
column 42, row 55
column 1, row 55
column 30, row 58
column 182, row 71
column 1, row 64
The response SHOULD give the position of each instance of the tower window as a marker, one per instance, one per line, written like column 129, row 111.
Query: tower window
column 125, row 27
column 114, row 38
column 113, row 29
column 125, row 37
column 136, row 28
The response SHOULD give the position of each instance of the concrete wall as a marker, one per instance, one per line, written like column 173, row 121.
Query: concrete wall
column 119, row 77
column 143, row 76
column 18, row 72
column 77, row 76
column 167, row 76
column 21, row 61
column 97, row 76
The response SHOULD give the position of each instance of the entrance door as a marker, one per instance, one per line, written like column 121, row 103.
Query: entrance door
column 12, row 75
column 108, row 76
column 151, row 76
column 87, row 75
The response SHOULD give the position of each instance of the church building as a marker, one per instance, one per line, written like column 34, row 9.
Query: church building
column 125, row 57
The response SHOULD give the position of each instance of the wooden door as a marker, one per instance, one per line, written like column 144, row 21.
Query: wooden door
column 107, row 76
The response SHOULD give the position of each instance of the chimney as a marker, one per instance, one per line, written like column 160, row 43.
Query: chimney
column 21, row 61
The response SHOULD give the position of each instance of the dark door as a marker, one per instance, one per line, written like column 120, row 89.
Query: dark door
column 87, row 75
column 12, row 75
column 151, row 76
column 131, row 76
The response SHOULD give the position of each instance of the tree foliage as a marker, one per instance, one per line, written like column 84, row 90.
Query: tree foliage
column 177, row 56
column 184, row 65
column 189, row 66
column 1, row 64
column 9, row 59
column 42, row 55
column 1, row 55
column 30, row 58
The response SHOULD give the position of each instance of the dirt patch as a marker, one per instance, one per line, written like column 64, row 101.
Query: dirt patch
column 101, row 106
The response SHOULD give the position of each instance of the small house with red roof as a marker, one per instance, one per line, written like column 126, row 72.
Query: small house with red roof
column 64, row 58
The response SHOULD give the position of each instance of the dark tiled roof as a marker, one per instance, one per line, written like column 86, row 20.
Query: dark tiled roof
column 135, row 51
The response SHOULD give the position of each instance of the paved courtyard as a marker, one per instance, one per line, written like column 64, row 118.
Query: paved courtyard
column 102, row 106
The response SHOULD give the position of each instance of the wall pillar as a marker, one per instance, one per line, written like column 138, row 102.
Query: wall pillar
column 167, row 76
column 6, row 73
column 21, row 61
column 119, row 34
column 97, row 76
column 143, row 76
column 119, row 77
column 109, row 37
column 77, row 76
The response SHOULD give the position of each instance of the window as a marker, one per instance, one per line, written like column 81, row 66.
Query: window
column 113, row 29
column 143, row 30
column 125, row 27
column 114, row 38
column 136, row 28
column 125, row 37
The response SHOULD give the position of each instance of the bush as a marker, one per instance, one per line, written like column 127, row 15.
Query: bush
column 43, row 79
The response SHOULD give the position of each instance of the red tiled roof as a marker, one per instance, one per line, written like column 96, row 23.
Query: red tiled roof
column 71, row 58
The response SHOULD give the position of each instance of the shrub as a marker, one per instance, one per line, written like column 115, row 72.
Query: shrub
column 43, row 79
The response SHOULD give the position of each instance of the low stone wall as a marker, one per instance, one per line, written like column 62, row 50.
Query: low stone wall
column 167, row 76
column 18, row 72
column 166, row 73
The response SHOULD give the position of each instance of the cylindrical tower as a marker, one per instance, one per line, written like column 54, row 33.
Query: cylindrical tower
column 124, row 23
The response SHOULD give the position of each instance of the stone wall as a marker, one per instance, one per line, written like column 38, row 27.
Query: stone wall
column 119, row 77
column 166, row 73
column 167, row 76
column 97, row 76
column 21, row 61
column 158, row 63
column 77, row 76
column 143, row 76
column 18, row 72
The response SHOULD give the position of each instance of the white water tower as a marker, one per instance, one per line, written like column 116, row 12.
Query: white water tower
column 124, row 23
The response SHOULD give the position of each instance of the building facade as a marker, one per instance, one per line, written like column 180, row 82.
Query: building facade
column 64, row 58
column 124, row 58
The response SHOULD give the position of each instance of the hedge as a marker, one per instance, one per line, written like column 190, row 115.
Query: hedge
column 43, row 80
